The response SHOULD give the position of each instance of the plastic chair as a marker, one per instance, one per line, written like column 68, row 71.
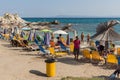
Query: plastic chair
column 111, row 58
column 63, row 47
column 86, row 54
column 58, row 53
column 7, row 36
column 40, row 47
column 96, row 56
column 52, row 51
column 71, row 47
column 118, row 51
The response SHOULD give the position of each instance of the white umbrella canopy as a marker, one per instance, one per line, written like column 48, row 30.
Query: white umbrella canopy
column 26, row 28
column 60, row 32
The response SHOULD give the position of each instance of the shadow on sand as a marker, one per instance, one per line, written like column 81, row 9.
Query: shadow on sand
column 38, row 73
column 106, row 77
column 6, row 45
column 70, row 60
column 29, row 54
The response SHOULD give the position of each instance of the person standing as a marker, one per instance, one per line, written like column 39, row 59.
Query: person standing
column 82, row 37
column 88, row 38
column 76, row 47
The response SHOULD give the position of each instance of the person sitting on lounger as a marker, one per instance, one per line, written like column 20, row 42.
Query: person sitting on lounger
column 61, row 38
column 52, row 44
column 61, row 42
column 112, row 50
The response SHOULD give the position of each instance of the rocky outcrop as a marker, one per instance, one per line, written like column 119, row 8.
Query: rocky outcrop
column 9, row 18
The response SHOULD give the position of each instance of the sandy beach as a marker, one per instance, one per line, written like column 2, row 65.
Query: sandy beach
column 17, row 64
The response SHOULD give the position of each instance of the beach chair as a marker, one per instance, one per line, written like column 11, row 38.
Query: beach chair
column 86, row 54
column 71, row 46
column 31, row 47
column 96, row 56
column 111, row 58
column 64, row 48
column 52, row 50
column 57, row 53
column 118, row 51
column 7, row 36
column 16, row 43
column 112, row 61
column 41, row 48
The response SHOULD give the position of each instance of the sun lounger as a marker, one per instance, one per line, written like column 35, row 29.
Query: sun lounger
column 111, row 58
column 16, row 43
column 86, row 54
column 57, row 53
column 32, row 47
column 111, row 61
column 71, row 46
column 96, row 56
column 64, row 48
column 42, row 50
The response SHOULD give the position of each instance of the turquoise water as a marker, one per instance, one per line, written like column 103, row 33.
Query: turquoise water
column 86, row 25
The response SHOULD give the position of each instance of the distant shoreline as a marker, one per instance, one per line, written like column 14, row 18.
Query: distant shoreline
column 77, row 17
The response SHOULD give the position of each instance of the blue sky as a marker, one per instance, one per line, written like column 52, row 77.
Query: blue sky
column 52, row 8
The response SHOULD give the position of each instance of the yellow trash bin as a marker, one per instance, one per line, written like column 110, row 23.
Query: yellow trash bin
column 50, row 67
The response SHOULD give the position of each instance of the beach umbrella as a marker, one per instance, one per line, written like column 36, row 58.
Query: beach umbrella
column 22, row 34
column 30, row 36
column 15, row 30
column 47, row 39
column 45, row 30
column 106, row 32
column 26, row 29
column 60, row 32
column 109, row 35
column 5, row 31
column 106, row 25
column 35, row 35
column 18, row 31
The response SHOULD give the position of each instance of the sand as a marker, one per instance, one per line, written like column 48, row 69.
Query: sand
column 17, row 64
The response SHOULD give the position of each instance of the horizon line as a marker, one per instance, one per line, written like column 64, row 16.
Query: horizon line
column 69, row 17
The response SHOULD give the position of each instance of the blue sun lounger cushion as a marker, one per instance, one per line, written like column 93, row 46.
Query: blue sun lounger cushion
column 41, row 48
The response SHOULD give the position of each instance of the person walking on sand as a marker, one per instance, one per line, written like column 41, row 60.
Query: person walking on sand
column 82, row 37
column 76, row 47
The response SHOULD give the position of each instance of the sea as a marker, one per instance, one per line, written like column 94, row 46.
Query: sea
column 86, row 25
